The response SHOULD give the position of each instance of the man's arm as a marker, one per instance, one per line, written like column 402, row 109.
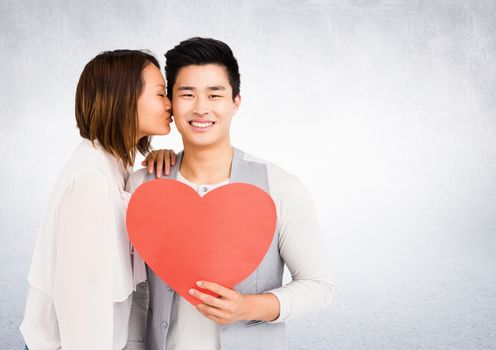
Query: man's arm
column 302, row 248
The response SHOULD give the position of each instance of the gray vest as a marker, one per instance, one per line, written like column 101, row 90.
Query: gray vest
column 243, row 334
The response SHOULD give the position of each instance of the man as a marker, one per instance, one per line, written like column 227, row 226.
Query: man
column 203, row 82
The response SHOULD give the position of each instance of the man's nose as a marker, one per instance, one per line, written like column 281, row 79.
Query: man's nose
column 201, row 106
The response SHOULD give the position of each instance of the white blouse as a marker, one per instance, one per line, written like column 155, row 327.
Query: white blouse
column 81, row 276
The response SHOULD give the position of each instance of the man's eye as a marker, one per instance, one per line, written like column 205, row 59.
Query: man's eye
column 215, row 96
column 187, row 95
column 163, row 95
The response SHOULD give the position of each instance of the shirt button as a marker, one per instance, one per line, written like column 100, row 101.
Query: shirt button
column 164, row 324
column 204, row 189
column 170, row 289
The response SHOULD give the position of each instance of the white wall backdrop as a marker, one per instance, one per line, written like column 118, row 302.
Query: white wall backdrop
column 385, row 109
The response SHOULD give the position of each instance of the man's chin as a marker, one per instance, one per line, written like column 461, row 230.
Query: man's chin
column 203, row 143
column 198, row 143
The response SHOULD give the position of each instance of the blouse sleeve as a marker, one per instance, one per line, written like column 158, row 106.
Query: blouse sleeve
column 82, row 292
column 39, row 328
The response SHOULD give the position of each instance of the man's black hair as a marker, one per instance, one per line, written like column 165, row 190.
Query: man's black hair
column 201, row 51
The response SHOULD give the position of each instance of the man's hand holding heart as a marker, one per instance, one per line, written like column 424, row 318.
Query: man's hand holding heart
column 231, row 306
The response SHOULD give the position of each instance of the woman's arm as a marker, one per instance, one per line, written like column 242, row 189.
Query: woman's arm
column 83, row 285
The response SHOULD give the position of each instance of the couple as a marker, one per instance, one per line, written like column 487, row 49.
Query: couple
column 84, row 273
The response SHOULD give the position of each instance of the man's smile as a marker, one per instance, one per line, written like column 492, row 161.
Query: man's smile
column 201, row 124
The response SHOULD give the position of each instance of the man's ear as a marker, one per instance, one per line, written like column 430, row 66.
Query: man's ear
column 237, row 103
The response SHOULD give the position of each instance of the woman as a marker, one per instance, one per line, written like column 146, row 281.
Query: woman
column 81, row 278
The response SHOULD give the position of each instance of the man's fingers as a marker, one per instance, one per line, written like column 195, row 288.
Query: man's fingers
column 215, row 319
column 216, row 288
column 211, row 311
column 207, row 299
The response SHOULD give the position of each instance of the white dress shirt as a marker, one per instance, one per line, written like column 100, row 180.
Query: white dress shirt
column 188, row 328
column 81, row 276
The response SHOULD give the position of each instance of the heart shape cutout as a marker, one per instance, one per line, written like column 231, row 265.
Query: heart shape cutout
column 221, row 237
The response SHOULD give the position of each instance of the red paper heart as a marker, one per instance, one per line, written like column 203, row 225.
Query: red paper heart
column 221, row 237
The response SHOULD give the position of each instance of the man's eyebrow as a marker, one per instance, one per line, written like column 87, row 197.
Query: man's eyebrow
column 212, row 88
column 217, row 87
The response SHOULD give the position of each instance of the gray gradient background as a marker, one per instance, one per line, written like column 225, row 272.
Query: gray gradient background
column 385, row 109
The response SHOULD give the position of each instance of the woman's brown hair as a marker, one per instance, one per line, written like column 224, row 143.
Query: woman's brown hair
column 107, row 102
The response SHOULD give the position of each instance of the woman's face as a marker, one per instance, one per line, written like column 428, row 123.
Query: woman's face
column 154, row 107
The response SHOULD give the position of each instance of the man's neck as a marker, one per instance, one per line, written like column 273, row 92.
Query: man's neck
column 206, row 165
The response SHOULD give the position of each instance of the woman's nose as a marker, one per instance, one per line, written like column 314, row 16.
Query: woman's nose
column 168, row 104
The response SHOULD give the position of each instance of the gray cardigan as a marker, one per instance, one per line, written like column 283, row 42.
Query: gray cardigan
column 240, row 335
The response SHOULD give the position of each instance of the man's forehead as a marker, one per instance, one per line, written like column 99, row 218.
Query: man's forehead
column 206, row 71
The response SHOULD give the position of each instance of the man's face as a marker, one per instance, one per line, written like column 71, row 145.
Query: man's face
column 203, row 106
